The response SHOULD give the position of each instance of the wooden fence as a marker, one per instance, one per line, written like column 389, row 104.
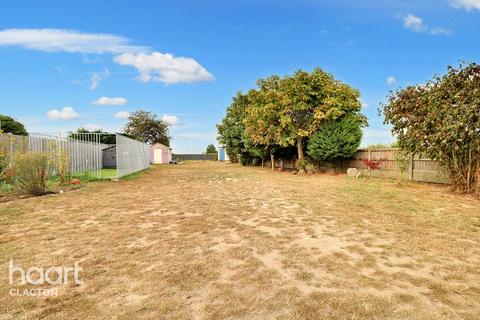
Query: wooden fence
column 392, row 165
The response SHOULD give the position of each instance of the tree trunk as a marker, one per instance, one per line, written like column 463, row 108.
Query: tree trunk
column 262, row 161
column 300, row 148
column 300, row 153
column 272, row 159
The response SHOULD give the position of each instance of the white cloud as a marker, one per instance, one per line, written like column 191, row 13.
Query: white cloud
column 416, row 24
column 92, row 127
column 97, row 77
column 67, row 113
column 106, row 101
column 55, row 40
column 440, row 31
column 170, row 119
column 391, row 80
column 122, row 115
column 165, row 68
column 95, row 81
column 468, row 5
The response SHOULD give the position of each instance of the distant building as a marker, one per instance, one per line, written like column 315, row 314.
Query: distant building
column 222, row 154
column 109, row 157
column 160, row 153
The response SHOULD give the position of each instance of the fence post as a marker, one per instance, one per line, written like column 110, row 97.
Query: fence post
column 411, row 167
column 10, row 140
column 369, row 159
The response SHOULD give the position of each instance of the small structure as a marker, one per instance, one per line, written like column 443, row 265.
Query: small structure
column 160, row 153
column 222, row 154
column 109, row 157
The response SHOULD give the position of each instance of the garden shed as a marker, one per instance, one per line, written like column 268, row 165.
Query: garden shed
column 109, row 157
column 222, row 154
column 160, row 153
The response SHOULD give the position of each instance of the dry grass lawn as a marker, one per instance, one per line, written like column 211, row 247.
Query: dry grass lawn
column 219, row 241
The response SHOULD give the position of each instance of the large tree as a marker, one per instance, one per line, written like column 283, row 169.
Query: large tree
column 441, row 120
column 283, row 111
column 233, row 135
column 10, row 125
column 232, row 128
column 211, row 149
column 145, row 126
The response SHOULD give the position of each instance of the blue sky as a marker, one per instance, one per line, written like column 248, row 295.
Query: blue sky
column 68, row 64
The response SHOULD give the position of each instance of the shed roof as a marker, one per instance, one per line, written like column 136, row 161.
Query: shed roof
column 159, row 145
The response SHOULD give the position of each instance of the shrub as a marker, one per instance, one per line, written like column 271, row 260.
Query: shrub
column 336, row 140
column 32, row 173
column 3, row 166
column 372, row 164
column 302, row 164
column 245, row 159
column 311, row 168
column 440, row 120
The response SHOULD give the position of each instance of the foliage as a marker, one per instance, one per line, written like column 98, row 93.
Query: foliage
column 58, row 160
column 32, row 172
column 232, row 133
column 211, row 149
column 337, row 139
column 283, row 111
column 10, row 125
column 402, row 161
column 440, row 120
column 311, row 167
column 105, row 137
column 3, row 165
column 85, row 176
column 144, row 126
column 5, row 188
column 302, row 164
column 231, row 130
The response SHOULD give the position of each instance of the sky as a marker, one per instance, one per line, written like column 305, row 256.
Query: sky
column 71, row 64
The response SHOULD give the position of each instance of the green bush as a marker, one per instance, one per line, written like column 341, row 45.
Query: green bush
column 32, row 172
column 5, row 188
column 311, row 168
column 303, row 164
column 336, row 140
column 3, row 165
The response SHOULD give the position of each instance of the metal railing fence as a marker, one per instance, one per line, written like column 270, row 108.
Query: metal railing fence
column 132, row 155
column 70, row 152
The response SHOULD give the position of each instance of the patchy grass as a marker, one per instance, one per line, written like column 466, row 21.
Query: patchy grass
column 205, row 240
column 5, row 188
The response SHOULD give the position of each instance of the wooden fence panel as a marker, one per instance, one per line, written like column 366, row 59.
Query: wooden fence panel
column 392, row 165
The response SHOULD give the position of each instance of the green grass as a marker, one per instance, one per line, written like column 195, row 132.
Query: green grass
column 5, row 188
column 109, row 173
column 89, row 176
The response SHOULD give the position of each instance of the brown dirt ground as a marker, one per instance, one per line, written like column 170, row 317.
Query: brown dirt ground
column 207, row 240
